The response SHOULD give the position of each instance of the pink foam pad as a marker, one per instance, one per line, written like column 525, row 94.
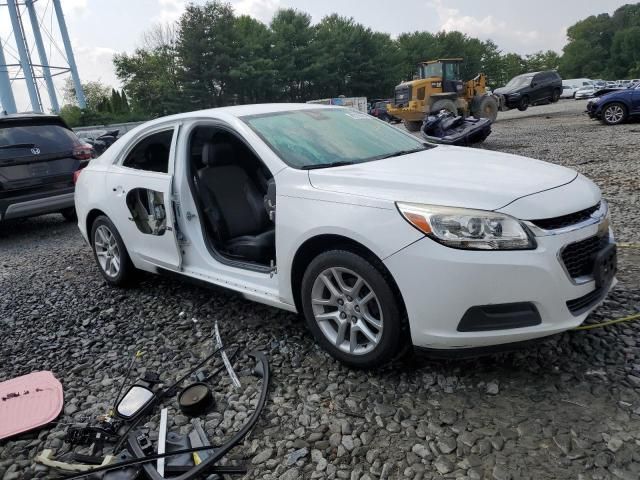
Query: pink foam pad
column 29, row 402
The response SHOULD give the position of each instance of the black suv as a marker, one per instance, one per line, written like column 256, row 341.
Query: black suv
column 39, row 155
column 531, row 89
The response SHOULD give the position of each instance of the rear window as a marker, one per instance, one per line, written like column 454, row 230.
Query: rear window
column 48, row 138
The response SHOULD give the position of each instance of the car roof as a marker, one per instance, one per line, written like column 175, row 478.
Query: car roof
column 29, row 116
column 244, row 110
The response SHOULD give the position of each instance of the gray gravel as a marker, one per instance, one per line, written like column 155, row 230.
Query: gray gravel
column 568, row 407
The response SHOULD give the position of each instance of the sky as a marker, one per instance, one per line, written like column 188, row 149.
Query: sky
column 101, row 28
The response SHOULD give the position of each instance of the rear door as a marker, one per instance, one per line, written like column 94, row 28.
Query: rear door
column 36, row 155
column 140, row 185
column 537, row 88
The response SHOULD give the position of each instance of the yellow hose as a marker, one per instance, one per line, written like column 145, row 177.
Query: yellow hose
column 628, row 245
column 608, row 322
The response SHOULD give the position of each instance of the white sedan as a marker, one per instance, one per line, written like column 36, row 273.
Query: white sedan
column 380, row 240
column 588, row 91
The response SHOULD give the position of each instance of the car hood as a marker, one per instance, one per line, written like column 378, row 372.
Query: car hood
column 507, row 90
column 445, row 175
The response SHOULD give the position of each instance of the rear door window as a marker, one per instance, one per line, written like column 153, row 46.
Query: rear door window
column 26, row 139
column 151, row 153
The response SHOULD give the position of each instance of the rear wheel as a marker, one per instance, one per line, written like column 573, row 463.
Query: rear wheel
column 614, row 114
column 412, row 126
column 110, row 253
column 555, row 96
column 69, row 214
column 351, row 310
column 523, row 104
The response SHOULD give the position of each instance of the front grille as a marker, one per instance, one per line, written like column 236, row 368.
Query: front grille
column 566, row 220
column 402, row 95
column 579, row 257
column 579, row 305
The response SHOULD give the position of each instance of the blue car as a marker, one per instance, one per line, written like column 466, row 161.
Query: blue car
column 616, row 107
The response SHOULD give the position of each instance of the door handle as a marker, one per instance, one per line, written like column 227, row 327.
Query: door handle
column 119, row 190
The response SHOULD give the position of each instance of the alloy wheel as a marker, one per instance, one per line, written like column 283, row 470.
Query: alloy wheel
column 347, row 310
column 614, row 114
column 107, row 251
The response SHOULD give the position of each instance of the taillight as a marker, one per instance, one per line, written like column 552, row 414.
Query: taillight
column 76, row 176
column 83, row 152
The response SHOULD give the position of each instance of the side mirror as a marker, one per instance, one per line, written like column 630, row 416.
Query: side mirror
column 134, row 402
column 533, row 84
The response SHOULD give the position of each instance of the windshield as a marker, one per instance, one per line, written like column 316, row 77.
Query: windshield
column 327, row 137
column 432, row 70
column 520, row 81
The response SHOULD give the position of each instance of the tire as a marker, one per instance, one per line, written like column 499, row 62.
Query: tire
column 412, row 126
column 523, row 104
column 444, row 104
column 485, row 107
column 380, row 315
column 555, row 96
column 614, row 113
column 107, row 245
column 69, row 214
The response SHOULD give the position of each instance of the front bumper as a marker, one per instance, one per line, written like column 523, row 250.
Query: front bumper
column 36, row 204
column 439, row 285
column 593, row 109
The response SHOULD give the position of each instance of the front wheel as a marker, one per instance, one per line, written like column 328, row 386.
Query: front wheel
column 110, row 253
column 351, row 310
column 412, row 126
column 523, row 104
column 614, row 114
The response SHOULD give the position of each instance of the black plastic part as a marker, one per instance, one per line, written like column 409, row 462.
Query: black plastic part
column 179, row 463
column 207, row 466
column 475, row 352
column 501, row 316
column 195, row 399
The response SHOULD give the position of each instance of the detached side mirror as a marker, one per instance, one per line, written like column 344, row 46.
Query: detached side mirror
column 134, row 402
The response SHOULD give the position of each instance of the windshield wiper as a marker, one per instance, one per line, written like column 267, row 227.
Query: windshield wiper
column 403, row 152
column 327, row 165
column 18, row 145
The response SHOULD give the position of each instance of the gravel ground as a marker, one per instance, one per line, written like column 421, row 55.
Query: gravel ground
column 568, row 407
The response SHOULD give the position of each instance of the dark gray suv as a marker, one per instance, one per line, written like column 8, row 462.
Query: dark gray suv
column 531, row 89
column 39, row 155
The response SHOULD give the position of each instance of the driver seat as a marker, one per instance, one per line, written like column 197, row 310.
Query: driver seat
column 234, row 207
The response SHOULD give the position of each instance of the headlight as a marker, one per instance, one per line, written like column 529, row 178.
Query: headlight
column 596, row 100
column 468, row 229
column 514, row 94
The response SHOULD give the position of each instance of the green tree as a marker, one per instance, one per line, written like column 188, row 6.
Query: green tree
column 253, row 76
column 206, row 46
column 292, row 56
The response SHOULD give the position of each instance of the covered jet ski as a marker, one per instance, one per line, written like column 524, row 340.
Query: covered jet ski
column 449, row 129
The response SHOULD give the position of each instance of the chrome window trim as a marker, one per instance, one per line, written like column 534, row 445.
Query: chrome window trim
column 596, row 217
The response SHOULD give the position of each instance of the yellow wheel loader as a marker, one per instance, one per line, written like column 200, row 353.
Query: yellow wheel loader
column 437, row 86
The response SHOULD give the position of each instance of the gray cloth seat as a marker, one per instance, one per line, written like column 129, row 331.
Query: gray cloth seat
column 234, row 206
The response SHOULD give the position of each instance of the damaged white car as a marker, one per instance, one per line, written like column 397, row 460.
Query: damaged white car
column 380, row 240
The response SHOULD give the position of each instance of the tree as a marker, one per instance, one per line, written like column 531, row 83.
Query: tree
column 206, row 46
column 95, row 92
column 253, row 77
column 291, row 52
column 151, row 80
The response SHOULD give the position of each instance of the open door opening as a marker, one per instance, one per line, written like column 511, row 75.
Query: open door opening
column 147, row 210
column 235, row 196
